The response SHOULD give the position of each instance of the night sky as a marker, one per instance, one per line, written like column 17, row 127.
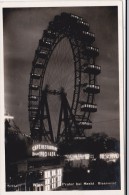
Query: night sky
column 23, row 27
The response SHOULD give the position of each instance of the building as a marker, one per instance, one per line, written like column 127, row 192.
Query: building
column 41, row 172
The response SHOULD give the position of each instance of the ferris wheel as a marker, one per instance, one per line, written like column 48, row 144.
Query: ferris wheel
column 74, row 117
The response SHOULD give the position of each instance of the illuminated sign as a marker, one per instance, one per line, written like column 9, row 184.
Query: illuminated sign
column 72, row 157
column 43, row 147
column 43, row 154
column 110, row 156
column 44, row 150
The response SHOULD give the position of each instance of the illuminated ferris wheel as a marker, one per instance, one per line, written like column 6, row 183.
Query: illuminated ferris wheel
column 75, row 109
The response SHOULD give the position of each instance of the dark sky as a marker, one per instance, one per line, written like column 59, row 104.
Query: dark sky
column 23, row 27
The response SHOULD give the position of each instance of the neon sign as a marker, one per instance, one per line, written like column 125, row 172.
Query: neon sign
column 72, row 157
column 44, row 147
column 44, row 150
column 110, row 157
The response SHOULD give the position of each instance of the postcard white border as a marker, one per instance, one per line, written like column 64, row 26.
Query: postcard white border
column 121, row 31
